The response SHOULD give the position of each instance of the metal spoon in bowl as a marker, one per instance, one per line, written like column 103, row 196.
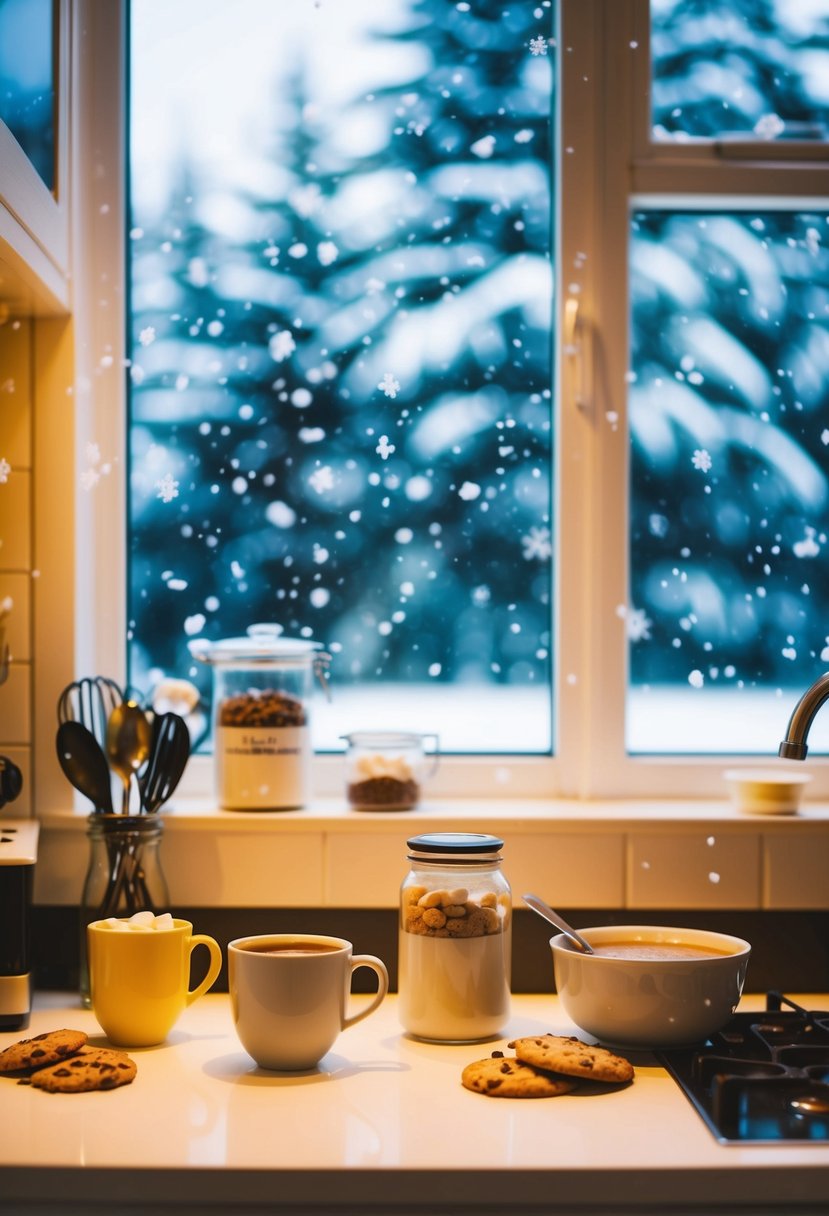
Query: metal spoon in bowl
column 538, row 905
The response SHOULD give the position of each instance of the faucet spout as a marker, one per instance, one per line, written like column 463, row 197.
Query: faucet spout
column 794, row 746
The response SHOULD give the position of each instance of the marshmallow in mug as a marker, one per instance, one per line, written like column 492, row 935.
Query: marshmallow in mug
column 141, row 921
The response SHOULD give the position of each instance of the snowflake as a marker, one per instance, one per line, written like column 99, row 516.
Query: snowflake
column 5, row 469
column 824, row 437
column 701, row 460
column 282, row 345
column 389, row 385
column 538, row 46
column 537, row 543
column 384, row 449
column 483, row 147
column 327, row 252
column 637, row 625
column 147, row 335
column 322, row 479
column 769, row 126
column 167, row 488
column 89, row 479
column 807, row 547
column 93, row 453
column 469, row 491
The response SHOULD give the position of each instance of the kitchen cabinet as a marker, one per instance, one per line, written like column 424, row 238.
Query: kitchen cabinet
column 383, row 1125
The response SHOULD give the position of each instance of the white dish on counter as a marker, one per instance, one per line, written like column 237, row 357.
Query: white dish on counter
column 767, row 791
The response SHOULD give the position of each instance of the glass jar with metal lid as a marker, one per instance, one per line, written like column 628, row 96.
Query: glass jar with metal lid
column 261, row 735
column 455, row 939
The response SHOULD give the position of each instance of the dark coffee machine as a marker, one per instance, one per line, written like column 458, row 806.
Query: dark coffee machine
column 18, row 854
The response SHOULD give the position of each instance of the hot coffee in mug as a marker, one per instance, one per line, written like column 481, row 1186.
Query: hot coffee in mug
column 289, row 994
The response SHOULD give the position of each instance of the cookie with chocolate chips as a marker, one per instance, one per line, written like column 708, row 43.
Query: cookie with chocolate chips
column 90, row 1069
column 504, row 1077
column 574, row 1058
column 42, row 1050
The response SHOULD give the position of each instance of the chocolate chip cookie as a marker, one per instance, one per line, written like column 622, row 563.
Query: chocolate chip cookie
column 509, row 1078
column 90, row 1069
column 42, row 1050
column 573, row 1058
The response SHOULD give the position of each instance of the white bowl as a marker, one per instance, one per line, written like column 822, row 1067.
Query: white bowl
column 764, row 791
column 650, row 1002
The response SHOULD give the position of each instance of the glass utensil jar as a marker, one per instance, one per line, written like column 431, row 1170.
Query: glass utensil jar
column 385, row 769
column 455, row 940
column 124, row 874
column 261, row 735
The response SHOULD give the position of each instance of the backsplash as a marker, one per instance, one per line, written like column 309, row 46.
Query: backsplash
column 16, row 546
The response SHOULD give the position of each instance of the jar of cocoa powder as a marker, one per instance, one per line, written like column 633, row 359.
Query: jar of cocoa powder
column 262, row 685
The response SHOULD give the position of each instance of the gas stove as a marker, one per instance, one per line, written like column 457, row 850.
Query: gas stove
column 762, row 1079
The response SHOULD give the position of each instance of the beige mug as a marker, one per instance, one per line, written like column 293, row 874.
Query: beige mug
column 289, row 993
column 139, row 979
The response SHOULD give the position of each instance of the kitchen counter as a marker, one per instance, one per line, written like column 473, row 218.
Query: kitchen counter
column 383, row 1125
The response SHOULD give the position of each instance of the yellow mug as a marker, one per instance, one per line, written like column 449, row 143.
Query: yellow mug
column 140, row 979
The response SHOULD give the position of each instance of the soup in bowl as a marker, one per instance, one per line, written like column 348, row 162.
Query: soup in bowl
column 649, row 986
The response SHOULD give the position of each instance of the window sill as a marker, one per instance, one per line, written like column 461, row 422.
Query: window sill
column 605, row 854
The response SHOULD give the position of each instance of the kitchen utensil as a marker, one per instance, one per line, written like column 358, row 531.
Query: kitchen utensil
column 84, row 764
column 169, row 753
column 90, row 701
column 654, row 996
column 538, row 905
column 128, row 739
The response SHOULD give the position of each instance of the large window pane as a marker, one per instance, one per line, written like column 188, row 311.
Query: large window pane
column 340, row 381
column 729, row 430
column 27, row 80
column 745, row 68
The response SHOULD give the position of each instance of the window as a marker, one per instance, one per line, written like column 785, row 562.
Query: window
column 27, row 80
column 340, row 366
column 671, row 458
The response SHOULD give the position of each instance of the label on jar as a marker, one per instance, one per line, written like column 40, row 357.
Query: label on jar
column 262, row 768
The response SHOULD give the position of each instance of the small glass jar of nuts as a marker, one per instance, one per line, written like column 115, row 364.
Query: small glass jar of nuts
column 455, row 939
column 261, row 736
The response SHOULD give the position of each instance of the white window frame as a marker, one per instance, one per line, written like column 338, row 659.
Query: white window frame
column 602, row 106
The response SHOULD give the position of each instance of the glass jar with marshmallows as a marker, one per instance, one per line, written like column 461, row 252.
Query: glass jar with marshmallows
column 385, row 770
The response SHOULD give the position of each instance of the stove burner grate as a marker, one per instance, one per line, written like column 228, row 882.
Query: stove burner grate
column 763, row 1078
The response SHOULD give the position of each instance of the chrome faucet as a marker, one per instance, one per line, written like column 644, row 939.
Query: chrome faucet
column 794, row 746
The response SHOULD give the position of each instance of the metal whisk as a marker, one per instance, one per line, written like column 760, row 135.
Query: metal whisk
column 90, row 701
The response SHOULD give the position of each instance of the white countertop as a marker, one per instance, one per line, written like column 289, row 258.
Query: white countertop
column 384, row 1121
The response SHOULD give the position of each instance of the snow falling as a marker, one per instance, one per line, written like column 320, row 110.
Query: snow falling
column 341, row 404
column 341, row 375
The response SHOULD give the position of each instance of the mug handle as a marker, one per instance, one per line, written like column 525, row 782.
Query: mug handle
column 379, row 968
column 201, row 939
